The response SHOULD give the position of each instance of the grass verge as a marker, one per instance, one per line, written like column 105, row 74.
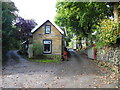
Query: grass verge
column 44, row 60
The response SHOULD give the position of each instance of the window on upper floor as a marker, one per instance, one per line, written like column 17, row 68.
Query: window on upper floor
column 47, row 29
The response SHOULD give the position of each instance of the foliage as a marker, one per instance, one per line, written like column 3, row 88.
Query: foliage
column 68, row 38
column 25, row 27
column 45, row 61
column 8, row 18
column 108, row 32
column 71, row 43
column 80, row 17
column 37, row 49
column 46, row 58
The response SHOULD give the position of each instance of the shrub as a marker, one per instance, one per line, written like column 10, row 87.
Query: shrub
column 108, row 32
column 37, row 49
column 71, row 43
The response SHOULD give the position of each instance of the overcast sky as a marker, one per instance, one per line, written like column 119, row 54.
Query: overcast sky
column 39, row 10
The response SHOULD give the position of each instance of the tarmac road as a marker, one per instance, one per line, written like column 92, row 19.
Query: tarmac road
column 78, row 72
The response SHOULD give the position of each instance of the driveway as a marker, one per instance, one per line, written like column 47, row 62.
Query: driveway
column 78, row 72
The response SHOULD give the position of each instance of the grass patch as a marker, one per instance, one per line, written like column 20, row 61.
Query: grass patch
column 44, row 60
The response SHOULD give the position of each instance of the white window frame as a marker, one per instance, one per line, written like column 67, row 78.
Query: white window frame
column 47, row 42
column 47, row 27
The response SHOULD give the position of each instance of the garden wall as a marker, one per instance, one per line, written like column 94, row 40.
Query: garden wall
column 90, row 52
column 111, row 54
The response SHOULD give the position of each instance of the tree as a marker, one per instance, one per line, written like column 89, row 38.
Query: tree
column 81, row 17
column 115, row 8
column 108, row 33
column 8, row 18
column 25, row 27
column 109, row 30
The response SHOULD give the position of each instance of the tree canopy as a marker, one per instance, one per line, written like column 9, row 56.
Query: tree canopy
column 80, row 17
column 14, row 28
column 24, row 27
column 8, row 18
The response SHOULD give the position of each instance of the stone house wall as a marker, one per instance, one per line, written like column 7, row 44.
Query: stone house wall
column 56, row 37
column 111, row 54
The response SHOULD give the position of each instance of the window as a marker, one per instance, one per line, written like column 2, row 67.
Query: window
column 47, row 29
column 47, row 46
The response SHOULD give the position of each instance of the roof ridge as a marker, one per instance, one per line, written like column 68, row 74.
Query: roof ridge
column 38, row 26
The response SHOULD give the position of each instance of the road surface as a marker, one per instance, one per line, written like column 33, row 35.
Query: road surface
column 78, row 72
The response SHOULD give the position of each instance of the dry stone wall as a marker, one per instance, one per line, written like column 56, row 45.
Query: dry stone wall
column 111, row 54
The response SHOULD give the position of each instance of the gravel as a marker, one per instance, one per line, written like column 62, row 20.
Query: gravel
column 76, row 73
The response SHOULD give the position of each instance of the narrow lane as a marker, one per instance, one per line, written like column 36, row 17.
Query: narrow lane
column 78, row 72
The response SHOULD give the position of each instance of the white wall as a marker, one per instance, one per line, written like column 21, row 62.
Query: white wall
column 90, row 53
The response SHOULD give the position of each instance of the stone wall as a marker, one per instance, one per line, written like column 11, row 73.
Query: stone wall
column 55, row 36
column 111, row 54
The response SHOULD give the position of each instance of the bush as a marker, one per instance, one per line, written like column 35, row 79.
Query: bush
column 37, row 49
column 108, row 32
column 71, row 43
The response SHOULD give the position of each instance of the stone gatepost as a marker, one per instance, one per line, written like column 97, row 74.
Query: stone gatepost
column 30, row 47
column 30, row 51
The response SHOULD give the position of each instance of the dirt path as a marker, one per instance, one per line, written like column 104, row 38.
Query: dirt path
column 78, row 72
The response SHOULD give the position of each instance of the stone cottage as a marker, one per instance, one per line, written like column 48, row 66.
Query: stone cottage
column 50, row 37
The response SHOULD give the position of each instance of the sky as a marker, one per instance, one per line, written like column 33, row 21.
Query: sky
column 39, row 10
